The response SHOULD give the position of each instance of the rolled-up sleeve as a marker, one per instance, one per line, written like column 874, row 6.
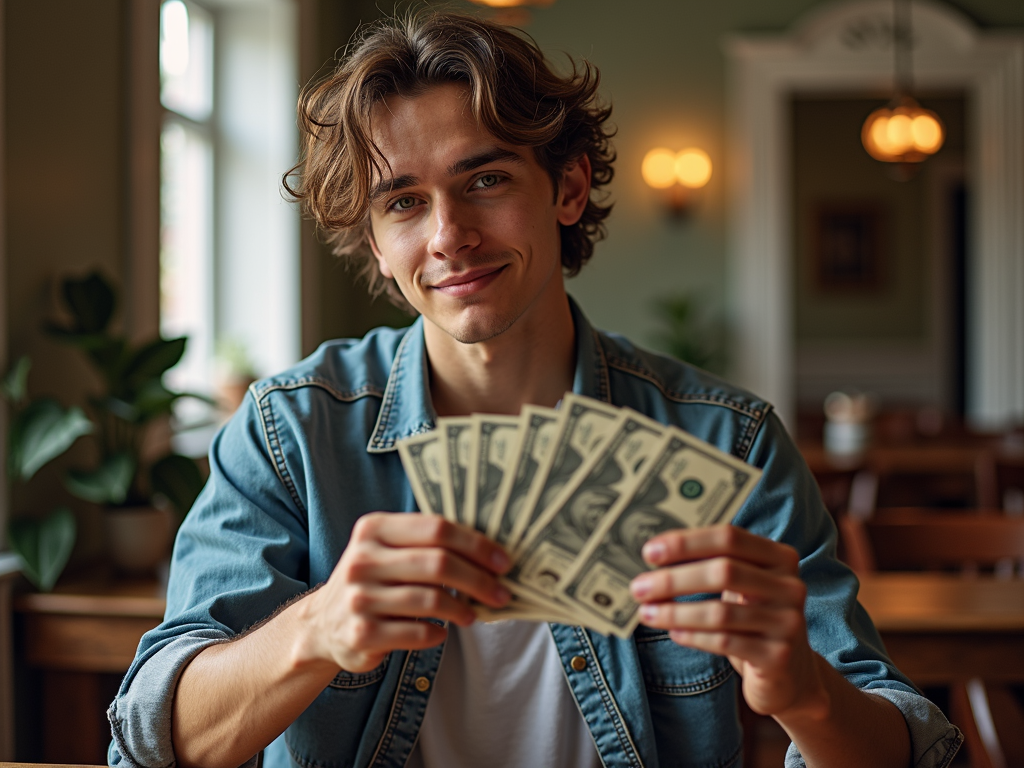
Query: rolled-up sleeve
column 787, row 507
column 241, row 552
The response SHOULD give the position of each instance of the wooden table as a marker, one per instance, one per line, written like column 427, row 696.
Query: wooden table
column 941, row 628
column 82, row 638
column 938, row 628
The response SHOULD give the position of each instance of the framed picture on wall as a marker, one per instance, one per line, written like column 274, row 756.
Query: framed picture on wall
column 847, row 247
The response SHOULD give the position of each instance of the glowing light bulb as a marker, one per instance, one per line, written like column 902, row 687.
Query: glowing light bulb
column 693, row 168
column 906, row 133
column 659, row 168
column 927, row 133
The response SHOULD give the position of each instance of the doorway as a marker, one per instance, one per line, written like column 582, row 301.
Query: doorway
column 878, row 278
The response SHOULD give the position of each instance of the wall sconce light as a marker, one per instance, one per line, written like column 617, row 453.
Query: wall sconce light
column 680, row 174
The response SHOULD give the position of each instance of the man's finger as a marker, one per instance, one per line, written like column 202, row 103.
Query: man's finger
column 435, row 567
column 717, row 575
column 411, row 530
column 412, row 602
column 682, row 546
column 720, row 616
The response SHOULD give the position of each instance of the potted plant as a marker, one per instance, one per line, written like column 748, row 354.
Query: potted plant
column 140, row 492
column 687, row 336
column 40, row 431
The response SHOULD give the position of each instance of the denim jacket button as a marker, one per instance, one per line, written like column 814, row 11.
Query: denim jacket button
column 578, row 663
column 422, row 684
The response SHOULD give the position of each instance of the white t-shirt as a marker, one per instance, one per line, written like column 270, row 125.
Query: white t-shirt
column 501, row 699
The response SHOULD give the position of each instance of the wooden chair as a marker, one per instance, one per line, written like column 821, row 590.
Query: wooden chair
column 1009, row 479
column 913, row 539
column 942, row 476
column 916, row 539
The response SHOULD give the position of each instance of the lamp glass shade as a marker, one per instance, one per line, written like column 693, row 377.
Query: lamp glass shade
column 659, row 168
column 693, row 168
column 907, row 133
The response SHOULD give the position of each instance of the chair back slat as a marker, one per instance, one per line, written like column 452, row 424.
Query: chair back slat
column 919, row 539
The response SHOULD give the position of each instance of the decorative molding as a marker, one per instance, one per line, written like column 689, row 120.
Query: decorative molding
column 839, row 49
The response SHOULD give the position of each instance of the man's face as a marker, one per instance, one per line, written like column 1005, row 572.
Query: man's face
column 470, row 227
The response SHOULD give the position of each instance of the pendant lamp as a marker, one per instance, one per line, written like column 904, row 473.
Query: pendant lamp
column 903, row 131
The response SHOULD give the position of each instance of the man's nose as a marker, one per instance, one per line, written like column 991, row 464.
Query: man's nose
column 455, row 230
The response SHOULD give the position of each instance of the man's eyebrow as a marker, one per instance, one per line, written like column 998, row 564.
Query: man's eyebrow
column 387, row 186
column 493, row 155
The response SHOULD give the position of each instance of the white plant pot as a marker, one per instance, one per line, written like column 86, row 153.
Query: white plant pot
column 138, row 538
column 846, row 438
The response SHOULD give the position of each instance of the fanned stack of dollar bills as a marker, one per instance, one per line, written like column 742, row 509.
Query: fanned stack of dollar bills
column 572, row 495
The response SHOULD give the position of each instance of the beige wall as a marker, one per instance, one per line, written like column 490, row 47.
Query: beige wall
column 65, row 181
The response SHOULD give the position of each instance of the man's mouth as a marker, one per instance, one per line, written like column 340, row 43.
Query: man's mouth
column 470, row 281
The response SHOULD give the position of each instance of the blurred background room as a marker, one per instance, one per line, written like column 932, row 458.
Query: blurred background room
column 821, row 201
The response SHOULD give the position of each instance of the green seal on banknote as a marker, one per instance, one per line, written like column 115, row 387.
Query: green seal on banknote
column 691, row 489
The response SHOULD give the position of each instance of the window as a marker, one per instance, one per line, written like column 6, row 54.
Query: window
column 186, row 189
column 229, row 260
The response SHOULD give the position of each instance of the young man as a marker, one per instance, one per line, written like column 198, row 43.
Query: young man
column 447, row 153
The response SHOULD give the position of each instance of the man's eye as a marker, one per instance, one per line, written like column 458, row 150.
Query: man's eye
column 488, row 180
column 404, row 203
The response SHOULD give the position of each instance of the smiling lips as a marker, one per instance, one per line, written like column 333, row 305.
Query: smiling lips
column 469, row 282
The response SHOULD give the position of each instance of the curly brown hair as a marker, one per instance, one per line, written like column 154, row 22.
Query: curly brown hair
column 513, row 92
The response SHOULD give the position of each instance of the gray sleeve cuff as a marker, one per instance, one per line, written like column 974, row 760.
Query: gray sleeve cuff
column 933, row 740
column 140, row 715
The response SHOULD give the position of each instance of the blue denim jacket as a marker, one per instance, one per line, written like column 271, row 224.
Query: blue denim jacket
column 314, row 448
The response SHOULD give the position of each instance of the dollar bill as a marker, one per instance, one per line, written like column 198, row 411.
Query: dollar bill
column 538, row 430
column 425, row 459
column 457, row 439
column 686, row 484
column 495, row 439
column 583, row 424
column 551, row 546
column 520, row 609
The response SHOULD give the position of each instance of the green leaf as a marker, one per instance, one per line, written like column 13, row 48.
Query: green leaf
column 41, row 433
column 44, row 546
column 108, row 484
column 178, row 478
column 118, row 407
column 154, row 399
column 15, row 384
column 91, row 301
column 152, row 360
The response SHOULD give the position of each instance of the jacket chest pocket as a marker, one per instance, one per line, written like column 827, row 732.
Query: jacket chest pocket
column 692, row 698
column 328, row 733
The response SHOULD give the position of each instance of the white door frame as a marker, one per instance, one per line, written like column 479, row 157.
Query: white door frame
column 846, row 47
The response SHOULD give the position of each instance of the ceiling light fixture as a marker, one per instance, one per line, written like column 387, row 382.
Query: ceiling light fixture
column 904, row 131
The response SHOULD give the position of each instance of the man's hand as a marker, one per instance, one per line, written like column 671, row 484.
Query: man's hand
column 759, row 621
column 396, row 572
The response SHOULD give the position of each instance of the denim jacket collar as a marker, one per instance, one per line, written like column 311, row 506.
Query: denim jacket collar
column 408, row 410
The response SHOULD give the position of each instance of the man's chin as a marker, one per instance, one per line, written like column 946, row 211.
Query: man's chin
column 474, row 330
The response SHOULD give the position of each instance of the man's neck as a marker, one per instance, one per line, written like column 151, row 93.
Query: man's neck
column 532, row 362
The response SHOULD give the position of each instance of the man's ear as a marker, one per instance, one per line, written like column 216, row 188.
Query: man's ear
column 574, row 192
column 381, row 264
